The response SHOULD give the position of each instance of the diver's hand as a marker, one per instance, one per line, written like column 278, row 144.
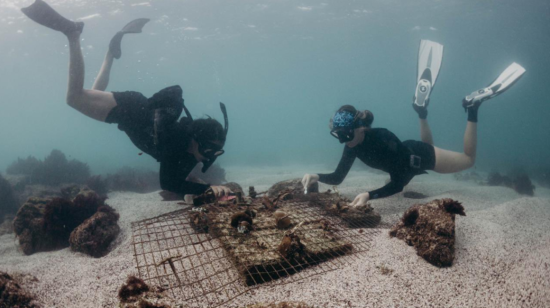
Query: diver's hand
column 309, row 179
column 361, row 199
column 220, row 191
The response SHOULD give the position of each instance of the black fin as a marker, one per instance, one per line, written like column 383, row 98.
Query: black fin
column 134, row 26
column 41, row 13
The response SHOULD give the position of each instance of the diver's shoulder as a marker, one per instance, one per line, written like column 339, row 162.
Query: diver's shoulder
column 382, row 133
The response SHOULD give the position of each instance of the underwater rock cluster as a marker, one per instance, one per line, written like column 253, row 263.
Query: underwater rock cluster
column 96, row 233
column 135, row 293
column 12, row 295
column 45, row 224
column 521, row 183
column 430, row 228
column 8, row 200
column 54, row 170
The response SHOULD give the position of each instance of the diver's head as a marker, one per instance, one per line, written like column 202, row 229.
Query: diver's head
column 348, row 125
column 208, row 139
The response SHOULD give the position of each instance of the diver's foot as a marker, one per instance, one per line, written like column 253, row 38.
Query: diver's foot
column 115, row 45
column 471, row 107
column 43, row 14
column 470, row 104
column 421, row 110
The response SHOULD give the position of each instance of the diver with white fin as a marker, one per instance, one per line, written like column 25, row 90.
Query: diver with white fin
column 381, row 149
column 152, row 124
column 430, row 56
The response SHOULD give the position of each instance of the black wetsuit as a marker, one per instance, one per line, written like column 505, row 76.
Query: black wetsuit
column 135, row 114
column 381, row 149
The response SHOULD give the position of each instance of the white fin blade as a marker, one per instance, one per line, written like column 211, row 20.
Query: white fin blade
column 430, row 56
column 509, row 76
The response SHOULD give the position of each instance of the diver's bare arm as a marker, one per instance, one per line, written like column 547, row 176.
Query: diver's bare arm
column 93, row 103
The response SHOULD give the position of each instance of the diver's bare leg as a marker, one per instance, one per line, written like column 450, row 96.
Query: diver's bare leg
column 426, row 132
column 449, row 161
column 102, row 79
column 93, row 103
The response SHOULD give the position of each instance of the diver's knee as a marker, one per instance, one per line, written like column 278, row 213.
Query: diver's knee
column 73, row 100
column 470, row 162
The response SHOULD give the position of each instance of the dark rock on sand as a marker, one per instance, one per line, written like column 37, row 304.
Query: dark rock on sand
column 45, row 224
column 521, row 183
column 132, row 290
column 96, row 233
column 293, row 186
column 12, row 295
column 430, row 228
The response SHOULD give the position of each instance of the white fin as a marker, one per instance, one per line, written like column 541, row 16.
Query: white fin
column 430, row 56
column 508, row 77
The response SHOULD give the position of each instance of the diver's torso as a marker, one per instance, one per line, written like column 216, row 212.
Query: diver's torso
column 382, row 150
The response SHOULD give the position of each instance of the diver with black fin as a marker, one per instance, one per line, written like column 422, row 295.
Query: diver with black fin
column 381, row 149
column 115, row 52
column 152, row 124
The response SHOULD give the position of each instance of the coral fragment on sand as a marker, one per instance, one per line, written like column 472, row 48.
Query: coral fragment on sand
column 95, row 234
column 45, row 224
column 132, row 289
column 12, row 295
column 430, row 228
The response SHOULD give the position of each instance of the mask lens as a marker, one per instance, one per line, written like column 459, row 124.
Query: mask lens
column 210, row 150
column 343, row 135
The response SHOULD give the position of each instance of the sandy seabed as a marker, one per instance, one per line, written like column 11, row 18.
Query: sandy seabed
column 502, row 256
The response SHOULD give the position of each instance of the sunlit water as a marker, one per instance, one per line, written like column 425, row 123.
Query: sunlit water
column 282, row 68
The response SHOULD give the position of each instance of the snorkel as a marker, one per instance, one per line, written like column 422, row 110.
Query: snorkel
column 210, row 150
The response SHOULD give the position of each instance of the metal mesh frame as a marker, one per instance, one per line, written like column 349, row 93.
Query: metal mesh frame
column 199, row 270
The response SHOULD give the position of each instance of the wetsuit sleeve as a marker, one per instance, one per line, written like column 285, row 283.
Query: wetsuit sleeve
column 172, row 179
column 396, row 185
column 338, row 176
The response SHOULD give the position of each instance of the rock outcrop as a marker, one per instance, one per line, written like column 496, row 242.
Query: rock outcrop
column 96, row 233
column 45, row 224
column 430, row 228
column 13, row 295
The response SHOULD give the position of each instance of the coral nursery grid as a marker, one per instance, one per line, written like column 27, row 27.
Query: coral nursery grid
column 206, row 269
